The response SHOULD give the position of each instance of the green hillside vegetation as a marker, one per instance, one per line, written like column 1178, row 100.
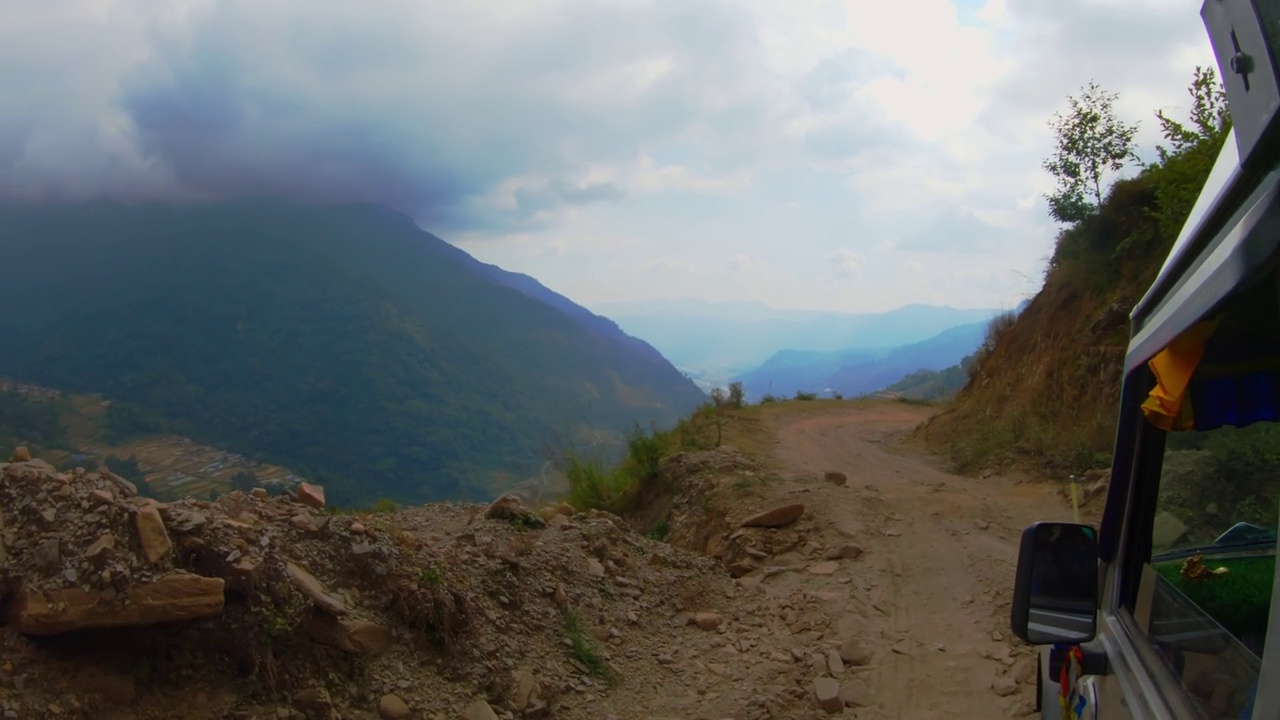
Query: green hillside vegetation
column 934, row 385
column 28, row 422
column 1045, row 395
column 629, row 483
column 342, row 342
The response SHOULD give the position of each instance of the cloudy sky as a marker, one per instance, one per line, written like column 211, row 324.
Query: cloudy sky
column 853, row 155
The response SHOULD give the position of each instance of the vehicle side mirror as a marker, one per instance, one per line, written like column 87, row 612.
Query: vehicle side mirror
column 1055, row 595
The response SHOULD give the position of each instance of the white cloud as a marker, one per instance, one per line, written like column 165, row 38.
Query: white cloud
column 841, row 154
column 846, row 263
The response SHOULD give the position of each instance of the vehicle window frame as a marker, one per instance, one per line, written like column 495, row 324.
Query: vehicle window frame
column 1135, row 545
column 1135, row 548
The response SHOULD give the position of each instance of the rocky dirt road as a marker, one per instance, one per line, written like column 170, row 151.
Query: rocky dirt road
column 898, row 591
column 938, row 567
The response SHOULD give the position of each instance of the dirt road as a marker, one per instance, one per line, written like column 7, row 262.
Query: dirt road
column 921, row 616
column 940, row 554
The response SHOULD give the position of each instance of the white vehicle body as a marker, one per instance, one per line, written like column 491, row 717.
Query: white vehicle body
column 1162, row 645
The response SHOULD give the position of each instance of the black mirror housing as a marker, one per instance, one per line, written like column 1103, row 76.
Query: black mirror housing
column 1055, row 595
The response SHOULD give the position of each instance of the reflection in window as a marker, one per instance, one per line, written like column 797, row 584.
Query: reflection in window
column 1206, row 595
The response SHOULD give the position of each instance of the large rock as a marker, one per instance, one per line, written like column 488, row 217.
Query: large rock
column 391, row 707
column 316, row 704
column 824, row 568
column 855, row 694
column 506, row 507
column 1004, row 686
column 155, row 539
column 127, row 488
column 29, row 471
column 168, row 599
column 106, row 541
column 827, row 692
column 707, row 620
column 777, row 517
column 1168, row 530
column 835, row 665
column 525, row 689
column 315, row 591
column 312, row 495
column 844, row 552
column 360, row 637
column 479, row 710
column 855, row 653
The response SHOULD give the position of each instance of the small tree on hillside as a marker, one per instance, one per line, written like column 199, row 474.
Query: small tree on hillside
column 737, row 395
column 718, row 397
column 1182, row 168
column 1210, row 116
column 244, row 481
column 1090, row 141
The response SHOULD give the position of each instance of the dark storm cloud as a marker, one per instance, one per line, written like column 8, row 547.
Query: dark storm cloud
column 425, row 107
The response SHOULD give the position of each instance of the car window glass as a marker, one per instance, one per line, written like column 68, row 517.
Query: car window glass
column 1205, row 595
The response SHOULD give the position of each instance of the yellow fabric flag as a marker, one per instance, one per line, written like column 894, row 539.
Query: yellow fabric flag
column 1167, row 406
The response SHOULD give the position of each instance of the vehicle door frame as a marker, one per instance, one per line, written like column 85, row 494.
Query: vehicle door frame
column 1219, row 258
column 1148, row 686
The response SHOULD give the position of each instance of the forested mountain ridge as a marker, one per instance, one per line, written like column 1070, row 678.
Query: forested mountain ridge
column 341, row 340
column 858, row 371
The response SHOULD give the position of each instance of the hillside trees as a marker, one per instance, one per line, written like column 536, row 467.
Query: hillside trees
column 1089, row 141
column 23, row 421
column 1182, row 168
column 244, row 481
column 1067, row 348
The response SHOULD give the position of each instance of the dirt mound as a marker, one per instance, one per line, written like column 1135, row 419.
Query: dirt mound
column 118, row 606
column 728, row 506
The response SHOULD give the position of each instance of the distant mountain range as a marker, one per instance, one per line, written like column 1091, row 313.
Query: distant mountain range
column 715, row 342
column 859, row 371
column 341, row 341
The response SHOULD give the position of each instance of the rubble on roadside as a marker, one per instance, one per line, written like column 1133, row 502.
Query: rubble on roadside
column 276, row 607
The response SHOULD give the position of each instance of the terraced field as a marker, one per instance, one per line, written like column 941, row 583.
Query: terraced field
column 174, row 466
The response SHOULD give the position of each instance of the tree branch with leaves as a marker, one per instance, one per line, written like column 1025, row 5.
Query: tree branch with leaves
column 1090, row 141
column 1181, row 169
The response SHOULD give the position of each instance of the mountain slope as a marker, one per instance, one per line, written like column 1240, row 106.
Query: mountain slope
column 1045, row 397
column 934, row 385
column 859, row 371
column 342, row 341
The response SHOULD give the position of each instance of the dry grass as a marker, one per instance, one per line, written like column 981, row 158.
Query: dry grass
column 1044, row 398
